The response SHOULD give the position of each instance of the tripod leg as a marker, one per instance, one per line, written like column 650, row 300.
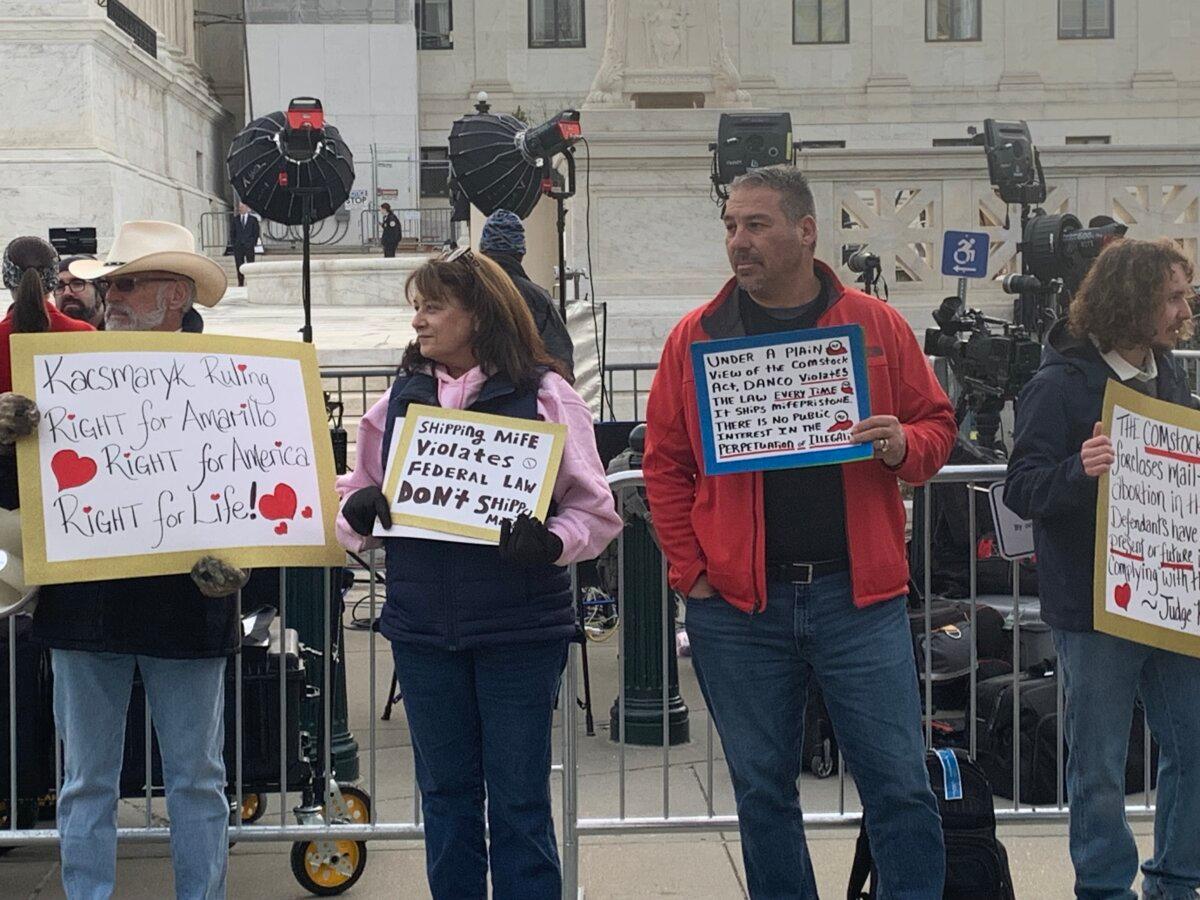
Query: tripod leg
column 588, row 719
column 393, row 696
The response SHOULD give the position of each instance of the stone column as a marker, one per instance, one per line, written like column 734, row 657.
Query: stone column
column 1153, row 39
column 887, row 72
column 490, row 36
column 1020, row 62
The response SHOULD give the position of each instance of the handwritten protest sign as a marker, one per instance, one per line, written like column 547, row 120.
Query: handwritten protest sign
column 154, row 449
column 781, row 401
column 463, row 472
column 1147, row 587
column 411, row 531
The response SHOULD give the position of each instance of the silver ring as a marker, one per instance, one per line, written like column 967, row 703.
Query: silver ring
column 883, row 445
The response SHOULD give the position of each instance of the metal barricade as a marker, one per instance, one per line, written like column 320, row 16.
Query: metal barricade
column 323, row 820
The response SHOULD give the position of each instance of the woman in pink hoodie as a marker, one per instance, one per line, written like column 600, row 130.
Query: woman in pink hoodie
column 480, row 632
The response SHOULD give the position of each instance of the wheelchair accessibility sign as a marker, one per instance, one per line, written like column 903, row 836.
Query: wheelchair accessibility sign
column 965, row 254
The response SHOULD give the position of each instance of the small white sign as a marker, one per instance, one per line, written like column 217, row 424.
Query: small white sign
column 1014, row 535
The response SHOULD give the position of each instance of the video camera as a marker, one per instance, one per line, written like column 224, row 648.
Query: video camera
column 991, row 366
column 991, row 363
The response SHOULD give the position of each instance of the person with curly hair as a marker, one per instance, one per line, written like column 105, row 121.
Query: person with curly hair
column 1131, row 311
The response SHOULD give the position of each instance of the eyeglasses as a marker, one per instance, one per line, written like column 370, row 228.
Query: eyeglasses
column 127, row 283
column 75, row 284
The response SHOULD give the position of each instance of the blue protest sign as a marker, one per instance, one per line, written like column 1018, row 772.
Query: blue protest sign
column 965, row 254
column 782, row 401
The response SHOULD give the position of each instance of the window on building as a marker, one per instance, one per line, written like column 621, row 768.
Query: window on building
column 1085, row 19
column 954, row 142
column 200, row 179
column 1089, row 139
column 820, row 21
column 823, row 145
column 326, row 12
column 435, row 172
column 953, row 20
column 556, row 23
column 435, row 24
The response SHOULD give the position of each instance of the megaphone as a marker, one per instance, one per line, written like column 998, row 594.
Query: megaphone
column 15, row 595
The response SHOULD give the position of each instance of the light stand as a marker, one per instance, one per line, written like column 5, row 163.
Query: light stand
column 560, row 197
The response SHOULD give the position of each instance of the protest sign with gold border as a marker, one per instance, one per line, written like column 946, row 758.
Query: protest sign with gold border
column 461, row 472
column 1147, row 575
column 154, row 449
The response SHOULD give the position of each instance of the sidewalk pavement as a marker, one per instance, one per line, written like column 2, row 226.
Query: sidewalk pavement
column 677, row 865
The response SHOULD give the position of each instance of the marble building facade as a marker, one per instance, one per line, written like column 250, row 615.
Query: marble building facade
column 880, row 92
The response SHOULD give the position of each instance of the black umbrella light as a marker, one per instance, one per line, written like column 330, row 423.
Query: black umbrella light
column 502, row 163
column 294, row 169
column 279, row 170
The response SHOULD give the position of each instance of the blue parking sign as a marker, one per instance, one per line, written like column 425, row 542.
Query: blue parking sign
column 965, row 254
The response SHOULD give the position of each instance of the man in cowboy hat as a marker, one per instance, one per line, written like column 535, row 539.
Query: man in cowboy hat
column 177, row 631
column 153, row 277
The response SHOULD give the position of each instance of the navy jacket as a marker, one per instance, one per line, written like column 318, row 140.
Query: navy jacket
column 546, row 318
column 1056, row 413
column 458, row 596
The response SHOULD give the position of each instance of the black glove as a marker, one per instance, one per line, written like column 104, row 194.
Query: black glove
column 363, row 507
column 527, row 542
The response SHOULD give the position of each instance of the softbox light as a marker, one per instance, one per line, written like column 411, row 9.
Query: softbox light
column 267, row 169
column 293, row 168
column 500, row 162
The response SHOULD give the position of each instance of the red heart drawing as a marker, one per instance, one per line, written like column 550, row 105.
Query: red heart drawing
column 214, row 496
column 306, row 512
column 127, row 454
column 71, row 469
column 242, row 405
column 241, row 367
column 279, row 443
column 281, row 504
column 1121, row 594
column 86, row 510
column 70, row 416
column 281, row 528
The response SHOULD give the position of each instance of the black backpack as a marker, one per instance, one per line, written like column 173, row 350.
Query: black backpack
column 976, row 861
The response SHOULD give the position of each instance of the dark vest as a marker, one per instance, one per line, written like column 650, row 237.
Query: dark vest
column 458, row 596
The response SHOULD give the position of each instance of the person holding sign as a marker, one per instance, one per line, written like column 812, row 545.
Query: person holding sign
column 480, row 632
column 1132, row 309
column 793, row 573
column 176, row 630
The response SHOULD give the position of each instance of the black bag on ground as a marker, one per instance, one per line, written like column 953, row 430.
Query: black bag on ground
column 950, row 646
column 820, row 746
column 1038, row 716
column 976, row 861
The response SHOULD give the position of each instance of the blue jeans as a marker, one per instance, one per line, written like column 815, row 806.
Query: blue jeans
column 480, row 723
column 754, row 671
column 186, row 698
column 1102, row 676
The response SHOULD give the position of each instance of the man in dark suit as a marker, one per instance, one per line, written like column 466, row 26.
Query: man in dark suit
column 243, row 238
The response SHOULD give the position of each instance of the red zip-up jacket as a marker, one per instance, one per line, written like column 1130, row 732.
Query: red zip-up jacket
column 714, row 524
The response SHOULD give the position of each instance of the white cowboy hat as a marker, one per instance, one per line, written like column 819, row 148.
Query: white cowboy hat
column 148, row 246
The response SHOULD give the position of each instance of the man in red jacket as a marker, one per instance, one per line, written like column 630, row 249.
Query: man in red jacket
column 794, row 573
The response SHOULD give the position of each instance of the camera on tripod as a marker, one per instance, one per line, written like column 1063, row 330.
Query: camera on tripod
column 996, row 358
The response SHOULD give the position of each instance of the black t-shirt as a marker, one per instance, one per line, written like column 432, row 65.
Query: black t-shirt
column 804, row 509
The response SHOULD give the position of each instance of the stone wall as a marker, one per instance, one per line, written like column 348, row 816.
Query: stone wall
column 886, row 87
column 100, row 131
column 650, row 174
